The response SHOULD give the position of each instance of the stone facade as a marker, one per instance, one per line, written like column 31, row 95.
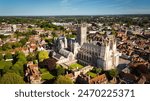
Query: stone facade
column 96, row 53
column 103, row 55
column 62, row 43
column 82, row 34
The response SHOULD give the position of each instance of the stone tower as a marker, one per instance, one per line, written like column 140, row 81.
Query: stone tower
column 65, row 42
column 76, row 48
column 111, row 55
column 81, row 34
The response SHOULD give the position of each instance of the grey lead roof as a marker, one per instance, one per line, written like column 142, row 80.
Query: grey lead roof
column 64, row 52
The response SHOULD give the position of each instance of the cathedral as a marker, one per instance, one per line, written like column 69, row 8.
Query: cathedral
column 99, row 54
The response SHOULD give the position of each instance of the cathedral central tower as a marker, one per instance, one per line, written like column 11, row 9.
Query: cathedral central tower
column 82, row 34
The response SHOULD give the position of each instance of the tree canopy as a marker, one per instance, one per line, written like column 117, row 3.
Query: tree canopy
column 43, row 55
column 20, row 60
column 60, row 70
column 63, row 80
column 113, row 72
column 7, row 66
column 21, row 57
column 13, row 45
column 31, row 57
column 18, row 68
column 1, row 56
column 97, row 70
column 8, row 56
column 11, row 78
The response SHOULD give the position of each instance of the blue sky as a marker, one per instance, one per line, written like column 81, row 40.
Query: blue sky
column 73, row 7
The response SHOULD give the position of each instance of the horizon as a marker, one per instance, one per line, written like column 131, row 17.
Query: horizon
column 74, row 15
column 73, row 7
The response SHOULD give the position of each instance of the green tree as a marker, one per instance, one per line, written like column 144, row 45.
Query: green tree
column 97, row 70
column 71, row 36
column 5, row 66
column 35, row 61
column 60, row 70
column 20, row 60
column 30, row 26
column 8, row 56
column 31, row 57
column 21, row 57
column 63, row 80
column 23, row 41
column 49, row 41
column 8, row 65
column 16, row 44
column 34, row 32
column 3, row 37
column 1, row 56
column 11, row 78
column 43, row 55
column 2, row 64
column 113, row 73
column 6, row 46
column 54, row 34
column 18, row 68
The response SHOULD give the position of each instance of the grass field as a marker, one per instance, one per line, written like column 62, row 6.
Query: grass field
column 75, row 65
column 91, row 74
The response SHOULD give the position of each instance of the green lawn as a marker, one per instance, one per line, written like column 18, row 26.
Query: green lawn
column 45, row 74
column 75, row 65
column 91, row 74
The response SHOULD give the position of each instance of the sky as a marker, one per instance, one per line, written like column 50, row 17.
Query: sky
column 72, row 7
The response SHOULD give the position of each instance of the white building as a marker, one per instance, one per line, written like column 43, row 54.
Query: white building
column 93, row 32
column 14, row 28
column 62, row 24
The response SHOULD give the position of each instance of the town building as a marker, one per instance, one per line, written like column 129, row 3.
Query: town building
column 77, row 72
column 84, row 79
column 33, row 74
